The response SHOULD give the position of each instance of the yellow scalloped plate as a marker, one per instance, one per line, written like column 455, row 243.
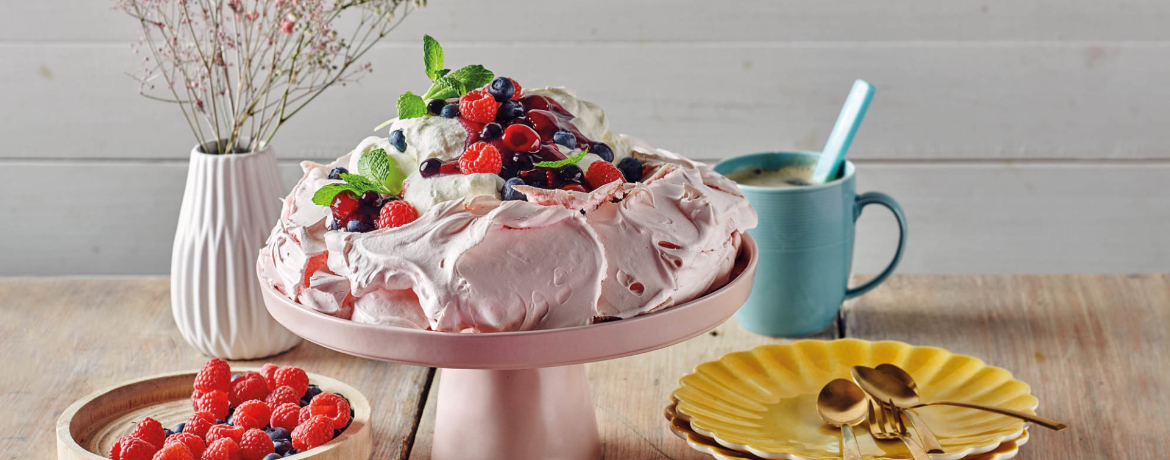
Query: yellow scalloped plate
column 682, row 429
column 763, row 401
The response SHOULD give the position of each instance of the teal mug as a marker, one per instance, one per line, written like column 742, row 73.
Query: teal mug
column 805, row 239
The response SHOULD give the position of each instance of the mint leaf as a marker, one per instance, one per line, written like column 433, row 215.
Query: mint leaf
column 444, row 72
column 411, row 106
column 562, row 163
column 445, row 87
column 360, row 182
column 382, row 171
column 325, row 195
column 473, row 76
column 432, row 57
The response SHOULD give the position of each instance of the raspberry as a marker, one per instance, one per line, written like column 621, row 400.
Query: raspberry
column 222, row 449
column 195, row 395
column 304, row 415
column 286, row 416
column 268, row 370
column 218, row 432
column 396, row 214
column 314, row 432
column 252, row 414
column 478, row 106
column 174, row 451
column 151, row 431
column 194, row 443
column 131, row 448
column 519, row 90
column 199, row 423
column 282, row 394
column 293, row 377
column 215, row 375
column 255, row 445
column 481, row 157
column 249, row 386
column 332, row 406
column 214, row 402
column 601, row 173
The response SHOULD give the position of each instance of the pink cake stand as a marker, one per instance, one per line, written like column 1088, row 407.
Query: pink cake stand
column 519, row 395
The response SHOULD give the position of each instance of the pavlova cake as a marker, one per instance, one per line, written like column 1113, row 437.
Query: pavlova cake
column 491, row 207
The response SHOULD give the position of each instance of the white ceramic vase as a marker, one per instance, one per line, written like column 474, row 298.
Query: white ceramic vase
column 229, row 207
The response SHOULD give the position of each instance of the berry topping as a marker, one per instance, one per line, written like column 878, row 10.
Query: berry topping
column 174, row 451
column 520, row 121
column 336, row 173
column 602, row 150
column 491, row 131
column 502, row 89
column 315, row 431
column 332, row 406
column 215, row 374
column 601, row 173
column 575, row 188
column 151, row 431
column 509, row 110
column 430, row 167
column 570, row 174
column 396, row 214
column 285, row 416
column 478, row 106
column 565, row 138
column 131, row 448
column 214, row 402
column 631, row 168
column 250, row 385
column 522, row 161
column 536, row 178
column 518, row 90
column 398, row 140
column 449, row 111
column 369, row 197
column 521, row 138
column 482, row 157
column 222, row 449
column 254, row 445
column 511, row 194
column 199, row 423
column 282, row 394
column 268, row 371
column 218, row 432
column 194, row 443
column 252, row 414
column 343, row 205
column 434, row 106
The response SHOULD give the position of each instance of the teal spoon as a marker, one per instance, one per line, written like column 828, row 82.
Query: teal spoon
column 847, row 123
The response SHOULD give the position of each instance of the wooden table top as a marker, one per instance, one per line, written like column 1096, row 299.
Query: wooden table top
column 1095, row 348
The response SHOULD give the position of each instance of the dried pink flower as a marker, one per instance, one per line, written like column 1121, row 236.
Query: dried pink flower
column 286, row 25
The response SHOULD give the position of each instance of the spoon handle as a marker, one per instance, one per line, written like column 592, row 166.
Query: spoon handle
column 849, row 448
column 928, row 440
column 1046, row 423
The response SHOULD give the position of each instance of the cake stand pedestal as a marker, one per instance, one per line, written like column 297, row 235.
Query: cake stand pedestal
column 519, row 395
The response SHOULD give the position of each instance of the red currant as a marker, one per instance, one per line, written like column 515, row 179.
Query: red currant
column 520, row 138
column 344, row 204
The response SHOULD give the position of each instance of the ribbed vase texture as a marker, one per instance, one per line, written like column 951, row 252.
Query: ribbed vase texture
column 229, row 207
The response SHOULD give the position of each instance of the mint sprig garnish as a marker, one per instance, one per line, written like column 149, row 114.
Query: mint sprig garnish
column 377, row 172
column 562, row 163
column 444, row 82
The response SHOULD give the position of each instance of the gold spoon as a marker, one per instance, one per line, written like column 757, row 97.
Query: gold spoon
column 843, row 404
column 888, row 388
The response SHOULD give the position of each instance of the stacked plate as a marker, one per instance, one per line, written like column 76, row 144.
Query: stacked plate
column 761, row 404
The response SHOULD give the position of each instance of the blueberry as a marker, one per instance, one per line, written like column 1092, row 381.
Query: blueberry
column 502, row 89
column 335, row 174
column 336, row 433
column 277, row 434
column 304, row 402
column 565, row 138
column 312, row 392
column 331, row 223
column 571, row 174
column 509, row 110
column 535, row 177
column 521, row 161
column 272, row 456
column 435, row 106
column 603, row 151
column 631, row 168
column 450, row 111
column 491, row 131
column 281, row 446
column 290, row 452
column 220, row 422
column 430, row 167
column 508, row 172
column 168, row 432
column 179, row 427
column 398, row 140
column 360, row 225
column 370, row 197
column 511, row 193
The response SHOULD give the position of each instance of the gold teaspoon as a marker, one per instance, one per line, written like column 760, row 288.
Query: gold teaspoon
column 841, row 403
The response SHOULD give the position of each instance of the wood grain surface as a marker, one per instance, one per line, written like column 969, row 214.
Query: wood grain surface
column 63, row 339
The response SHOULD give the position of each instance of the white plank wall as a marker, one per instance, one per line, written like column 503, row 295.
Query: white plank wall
column 1020, row 135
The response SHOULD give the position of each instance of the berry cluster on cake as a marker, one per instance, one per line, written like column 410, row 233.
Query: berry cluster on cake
column 491, row 207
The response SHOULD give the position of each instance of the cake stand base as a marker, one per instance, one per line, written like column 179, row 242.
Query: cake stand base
column 523, row 414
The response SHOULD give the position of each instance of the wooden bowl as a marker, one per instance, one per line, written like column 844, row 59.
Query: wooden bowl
column 87, row 429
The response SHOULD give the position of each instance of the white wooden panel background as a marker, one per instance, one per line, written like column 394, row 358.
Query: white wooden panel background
column 1019, row 135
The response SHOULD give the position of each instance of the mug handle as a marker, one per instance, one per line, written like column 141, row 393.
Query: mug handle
column 861, row 202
